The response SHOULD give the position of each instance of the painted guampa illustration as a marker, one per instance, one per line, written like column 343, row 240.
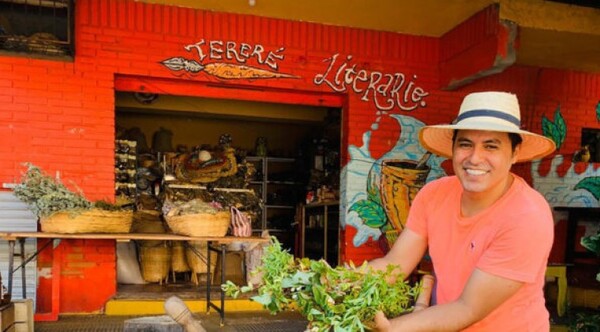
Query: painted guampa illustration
column 222, row 70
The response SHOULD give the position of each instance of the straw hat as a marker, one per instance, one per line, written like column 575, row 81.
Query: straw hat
column 490, row 111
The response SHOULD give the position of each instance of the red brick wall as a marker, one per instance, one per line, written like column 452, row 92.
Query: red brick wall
column 60, row 115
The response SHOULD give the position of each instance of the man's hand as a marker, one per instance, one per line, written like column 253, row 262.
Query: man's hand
column 382, row 324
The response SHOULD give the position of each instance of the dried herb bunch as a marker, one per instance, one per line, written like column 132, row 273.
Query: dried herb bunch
column 332, row 299
column 46, row 195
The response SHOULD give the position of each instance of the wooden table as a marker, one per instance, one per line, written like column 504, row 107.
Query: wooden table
column 217, row 244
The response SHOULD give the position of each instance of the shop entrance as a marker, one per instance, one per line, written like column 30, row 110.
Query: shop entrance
column 175, row 146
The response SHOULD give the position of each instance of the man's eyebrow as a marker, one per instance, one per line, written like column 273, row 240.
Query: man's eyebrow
column 493, row 141
column 488, row 141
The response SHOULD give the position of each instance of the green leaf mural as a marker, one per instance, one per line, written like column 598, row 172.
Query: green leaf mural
column 557, row 130
column 592, row 243
column 561, row 126
column 591, row 184
column 370, row 212
column 373, row 194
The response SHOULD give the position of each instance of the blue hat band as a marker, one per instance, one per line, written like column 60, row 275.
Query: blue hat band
column 490, row 113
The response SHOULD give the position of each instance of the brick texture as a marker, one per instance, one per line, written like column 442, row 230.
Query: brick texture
column 59, row 115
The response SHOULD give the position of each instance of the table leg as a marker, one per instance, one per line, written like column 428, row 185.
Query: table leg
column 208, row 278
column 223, row 253
column 220, row 309
column 11, row 259
column 571, row 232
column 23, row 282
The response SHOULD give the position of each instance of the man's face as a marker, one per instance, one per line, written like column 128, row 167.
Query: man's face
column 482, row 160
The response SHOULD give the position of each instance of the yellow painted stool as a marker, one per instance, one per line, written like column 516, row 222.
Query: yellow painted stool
column 560, row 273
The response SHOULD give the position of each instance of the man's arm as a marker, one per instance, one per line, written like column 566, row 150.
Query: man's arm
column 407, row 252
column 483, row 293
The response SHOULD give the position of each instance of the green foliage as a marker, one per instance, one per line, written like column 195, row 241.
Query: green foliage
column 598, row 111
column 557, row 130
column 591, row 184
column 592, row 243
column 370, row 212
column 585, row 321
column 332, row 299
column 46, row 195
column 373, row 191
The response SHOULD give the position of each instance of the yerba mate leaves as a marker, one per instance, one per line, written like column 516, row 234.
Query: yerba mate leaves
column 332, row 299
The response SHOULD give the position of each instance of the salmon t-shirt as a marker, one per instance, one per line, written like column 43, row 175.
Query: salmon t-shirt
column 511, row 239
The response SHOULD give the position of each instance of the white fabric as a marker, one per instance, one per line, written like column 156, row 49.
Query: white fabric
column 128, row 267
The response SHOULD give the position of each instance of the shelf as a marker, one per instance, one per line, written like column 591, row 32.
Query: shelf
column 321, row 236
column 271, row 159
column 195, row 186
column 283, row 182
column 320, row 204
column 276, row 175
column 279, row 206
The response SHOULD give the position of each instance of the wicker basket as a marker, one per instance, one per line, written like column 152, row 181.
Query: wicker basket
column 178, row 261
column 200, row 224
column 155, row 262
column 145, row 221
column 198, row 263
column 88, row 221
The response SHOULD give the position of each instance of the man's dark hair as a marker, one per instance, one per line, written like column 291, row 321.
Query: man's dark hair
column 515, row 139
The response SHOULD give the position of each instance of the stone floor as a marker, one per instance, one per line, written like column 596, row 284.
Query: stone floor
column 235, row 322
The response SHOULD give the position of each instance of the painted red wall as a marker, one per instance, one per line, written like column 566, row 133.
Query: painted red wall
column 59, row 115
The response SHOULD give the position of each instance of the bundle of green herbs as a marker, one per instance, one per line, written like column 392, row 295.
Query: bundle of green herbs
column 332, row 299
column 46, row 195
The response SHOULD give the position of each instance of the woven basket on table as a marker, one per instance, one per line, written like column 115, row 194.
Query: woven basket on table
column 148, row 222
column 200, row 224
column 87, row 221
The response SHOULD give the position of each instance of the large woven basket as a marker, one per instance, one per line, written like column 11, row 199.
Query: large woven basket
column 155, row 262
column 88, row 221
column 200, row 224
column 178, row 260
column 197, row 261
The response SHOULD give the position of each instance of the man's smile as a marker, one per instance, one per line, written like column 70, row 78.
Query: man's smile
column 470, row 171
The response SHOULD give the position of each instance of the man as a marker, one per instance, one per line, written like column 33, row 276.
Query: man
column 488, row 232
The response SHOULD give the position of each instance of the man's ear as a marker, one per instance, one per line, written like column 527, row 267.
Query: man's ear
column 515, row 154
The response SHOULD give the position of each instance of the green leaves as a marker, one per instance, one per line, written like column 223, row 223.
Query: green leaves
column 46, row 195
column 370, row 212
column 337, row 299
column 557, row 130
column 598, row 111
column 592, row 243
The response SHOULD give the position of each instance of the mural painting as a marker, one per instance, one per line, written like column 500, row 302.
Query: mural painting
column 380, row 191
column 575, row 187
column 217, row 51
column 386, row 90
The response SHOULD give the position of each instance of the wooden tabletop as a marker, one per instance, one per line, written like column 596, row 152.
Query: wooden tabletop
column 129, row 236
